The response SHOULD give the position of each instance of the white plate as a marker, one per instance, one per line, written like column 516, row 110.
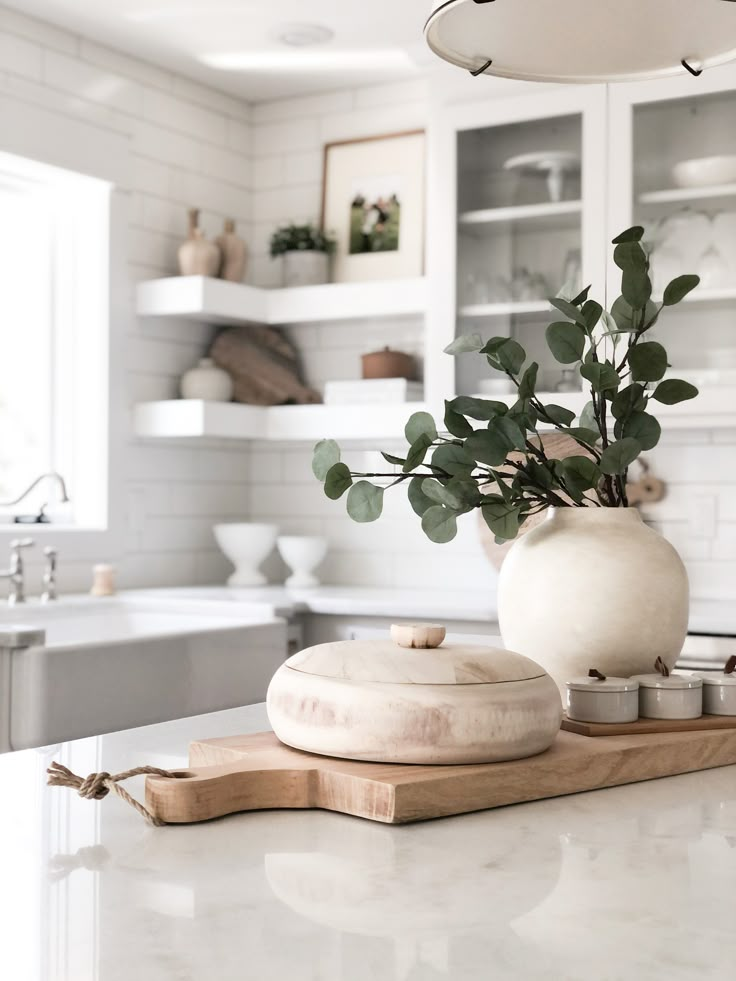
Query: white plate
column 705, row 171
column 544, row 161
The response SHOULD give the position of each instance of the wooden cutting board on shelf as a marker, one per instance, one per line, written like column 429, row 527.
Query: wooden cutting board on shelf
column 257, row 772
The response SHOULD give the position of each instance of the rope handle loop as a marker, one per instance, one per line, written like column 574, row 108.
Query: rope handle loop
column 96, row 786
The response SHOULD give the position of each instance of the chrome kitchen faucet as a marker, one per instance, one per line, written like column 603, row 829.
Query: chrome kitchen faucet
column 15, row 572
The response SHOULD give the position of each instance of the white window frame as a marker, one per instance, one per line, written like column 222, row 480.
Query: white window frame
column 87, row 428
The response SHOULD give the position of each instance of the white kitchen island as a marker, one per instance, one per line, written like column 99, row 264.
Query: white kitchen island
column 628, row 884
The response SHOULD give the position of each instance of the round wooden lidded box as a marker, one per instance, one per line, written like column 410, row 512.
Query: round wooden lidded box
column 388, row 701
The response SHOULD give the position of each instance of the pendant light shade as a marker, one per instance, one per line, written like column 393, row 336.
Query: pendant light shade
column 583, row 40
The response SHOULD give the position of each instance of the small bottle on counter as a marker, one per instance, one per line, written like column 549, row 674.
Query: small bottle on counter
column 103, row 580
column 719, row 689
column 601, row 699
column 663, row 695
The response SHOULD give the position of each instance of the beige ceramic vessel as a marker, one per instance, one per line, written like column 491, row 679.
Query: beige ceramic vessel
column 374, row 700
column 594, row 587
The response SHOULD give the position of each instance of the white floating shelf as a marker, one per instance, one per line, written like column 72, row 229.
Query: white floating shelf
column 192, row 418
column 216, row 301
column 711, row 295
column 521, row 213
column 510, row 309
column 677, row 194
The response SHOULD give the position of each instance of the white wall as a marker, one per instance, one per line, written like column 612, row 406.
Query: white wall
column 184, row 144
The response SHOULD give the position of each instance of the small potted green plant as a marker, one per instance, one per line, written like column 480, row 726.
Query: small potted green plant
column 490, row 456
column 306, row 252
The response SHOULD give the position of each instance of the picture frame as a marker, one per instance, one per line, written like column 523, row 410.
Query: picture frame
column 373, row 202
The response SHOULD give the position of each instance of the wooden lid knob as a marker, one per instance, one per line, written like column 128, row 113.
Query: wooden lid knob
column 418, row 635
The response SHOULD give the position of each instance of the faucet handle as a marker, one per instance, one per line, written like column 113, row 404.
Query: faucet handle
column 51, row 551
column 18, row 543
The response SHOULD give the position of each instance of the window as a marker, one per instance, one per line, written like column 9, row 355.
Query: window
column 54, row 326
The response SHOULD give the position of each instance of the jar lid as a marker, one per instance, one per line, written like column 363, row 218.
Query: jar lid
column 716, row 678
column 387, row 662
column 676, row 680
column 607, row 685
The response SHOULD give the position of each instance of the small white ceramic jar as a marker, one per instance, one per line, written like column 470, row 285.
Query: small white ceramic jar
column 677, row 696
column 206, row 381
column 603, row 700
column 719, row 692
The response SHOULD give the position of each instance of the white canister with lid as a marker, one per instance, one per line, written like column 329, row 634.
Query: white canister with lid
column 601, row 699
column 674, row 696
column 719, row 690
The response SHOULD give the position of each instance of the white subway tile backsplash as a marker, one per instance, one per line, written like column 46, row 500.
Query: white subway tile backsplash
column 92, row 83
column 296, row 134
column 121, row 64
column 298, row 108
column 185, row 117
column 15, row 24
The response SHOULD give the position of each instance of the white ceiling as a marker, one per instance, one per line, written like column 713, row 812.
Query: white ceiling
column 374, row 40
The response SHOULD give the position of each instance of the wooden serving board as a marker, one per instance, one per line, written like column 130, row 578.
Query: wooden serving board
column 257, row 772
column 649, row 725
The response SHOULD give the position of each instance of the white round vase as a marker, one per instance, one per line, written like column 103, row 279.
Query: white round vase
column 594, row 588
column 206, row 381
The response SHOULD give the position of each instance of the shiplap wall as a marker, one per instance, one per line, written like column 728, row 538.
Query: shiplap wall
column 188, row 145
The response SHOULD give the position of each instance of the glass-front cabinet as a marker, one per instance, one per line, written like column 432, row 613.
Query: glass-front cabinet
column 673, row 170
column 523, row 224
column 527, row 193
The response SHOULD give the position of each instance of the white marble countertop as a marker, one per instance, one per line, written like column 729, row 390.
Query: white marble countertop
column 630, row 883
column 349, row 601
column 706, row 617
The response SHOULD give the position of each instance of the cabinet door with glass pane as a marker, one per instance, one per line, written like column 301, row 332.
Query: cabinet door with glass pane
column 673, row 170
column 528, row 189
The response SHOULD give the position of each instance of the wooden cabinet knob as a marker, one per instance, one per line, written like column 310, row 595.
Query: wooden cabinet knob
column 418, row 635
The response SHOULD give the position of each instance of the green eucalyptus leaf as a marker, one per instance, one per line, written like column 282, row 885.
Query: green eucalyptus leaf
column 570, row 310
column 501, row 518
column 673, row 390
column 397, row 461
column 456, row 424
column 453, row 459
column 465, row 344
column 417, row 452
column 458, row 494
column 365, row 501
column 581, row 297
column 643, row 428
column 326, row 455
column 629, row 399
column 510, row 431
column 580, row 473
column 524, row 413
column 539, row 473
column 633, row 234
column 480, row 409
column 581, row 434
column 648, row 361
column 559, row 414
column 602, row 376
column 592, row 313
column 636, row 287
column 337, row 481
column 487, row 447
column 505, row 354
column 417, row 498
column 618, row 456
column 678, row 289
column 528, row 383
column 587, row 417
column 439, row 524
column 436, row 492
column 566, row 341
column 420, row 423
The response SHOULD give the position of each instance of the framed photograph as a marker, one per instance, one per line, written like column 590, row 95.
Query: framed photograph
column 373, row 203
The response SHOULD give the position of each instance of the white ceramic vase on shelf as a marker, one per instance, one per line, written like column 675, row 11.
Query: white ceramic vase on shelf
column 306, row 267
column 206, row 381
column 594, row 588
column 302, row 553
column 246, row 545
column 197, row 256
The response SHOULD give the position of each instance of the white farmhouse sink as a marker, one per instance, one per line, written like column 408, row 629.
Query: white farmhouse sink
column 116, row 663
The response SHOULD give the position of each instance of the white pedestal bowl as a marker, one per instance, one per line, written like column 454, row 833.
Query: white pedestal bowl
column 246, row 545
column 302, row 553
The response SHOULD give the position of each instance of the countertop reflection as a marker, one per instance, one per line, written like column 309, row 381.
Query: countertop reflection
column 631, row 883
